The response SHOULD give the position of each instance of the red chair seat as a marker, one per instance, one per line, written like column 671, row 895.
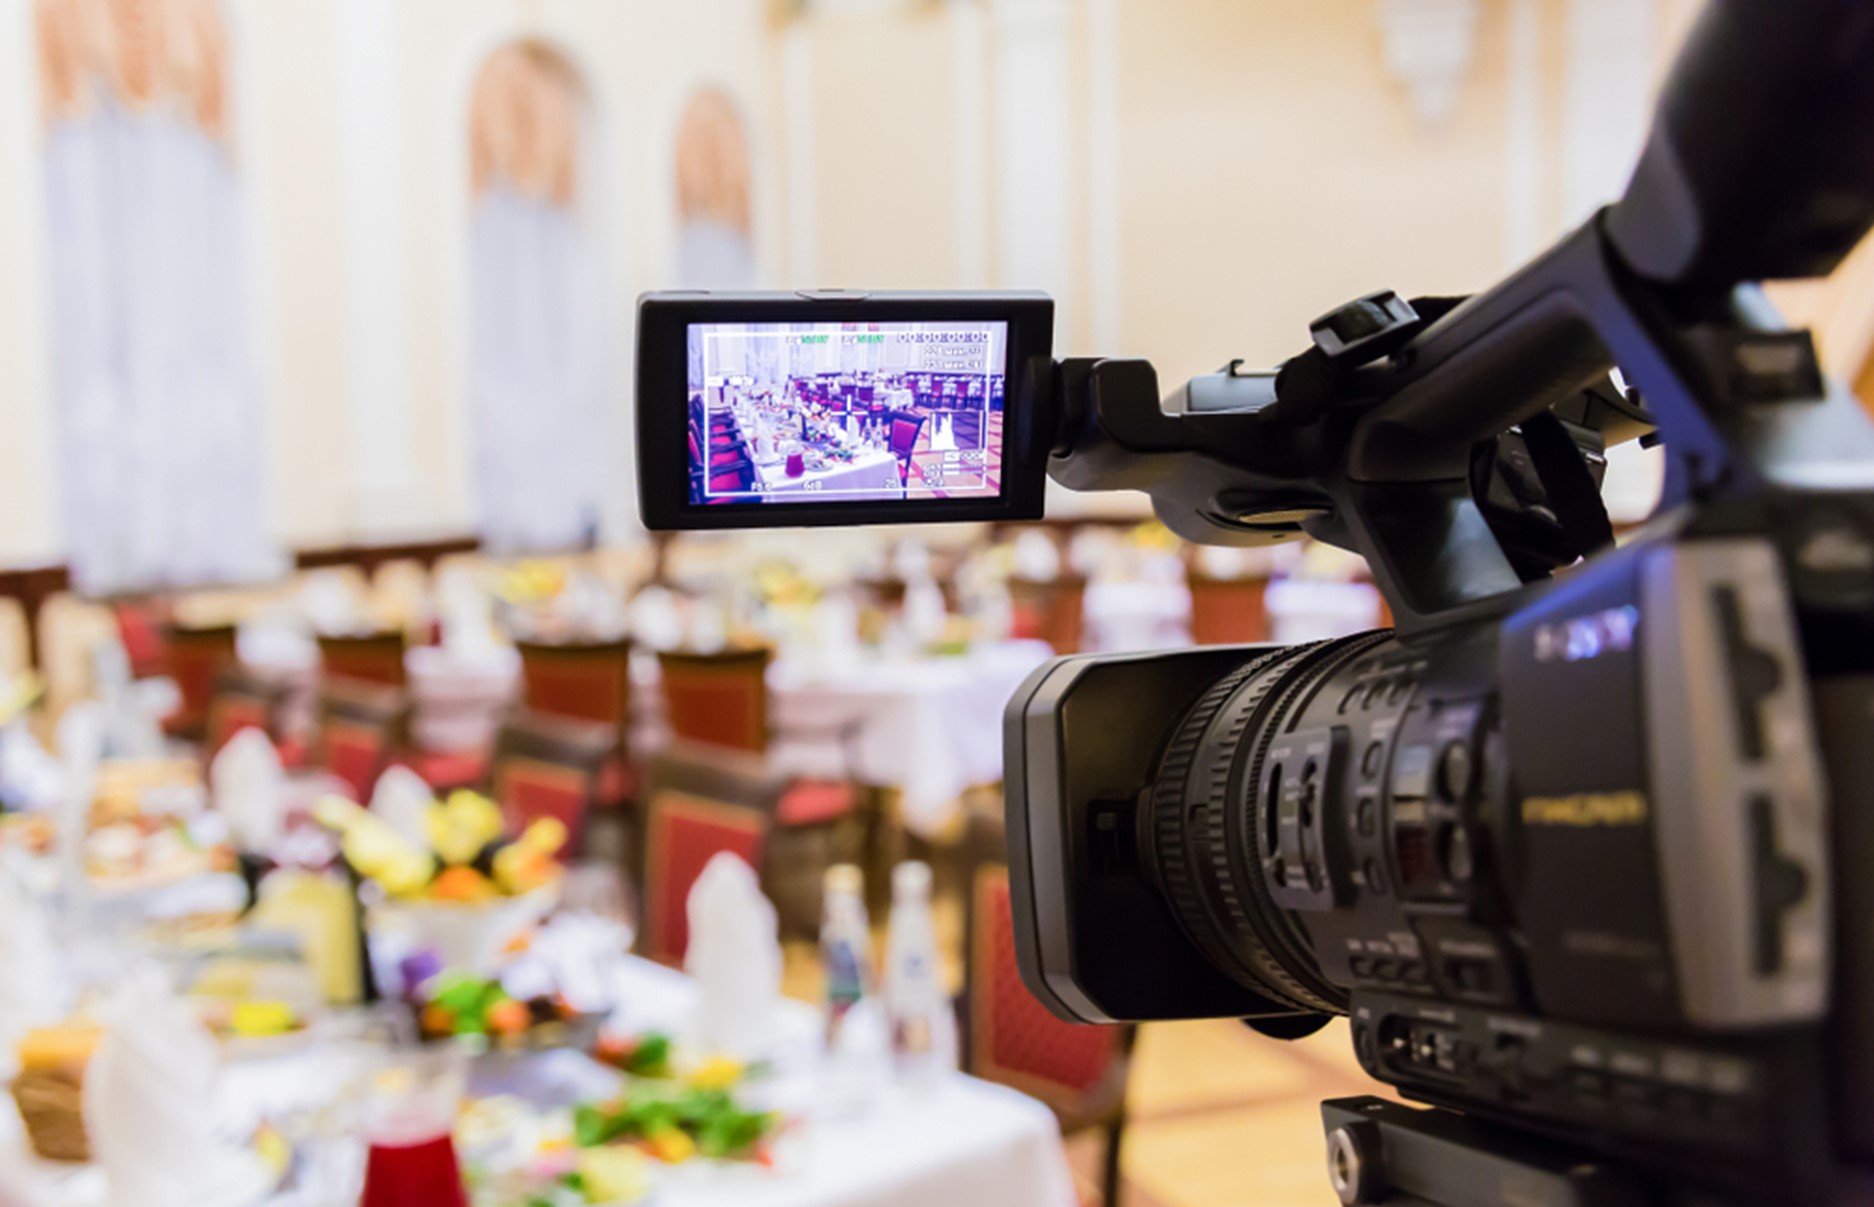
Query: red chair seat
column 447, row 769
column 618, row 780
column 293, row 753
column 812, row 802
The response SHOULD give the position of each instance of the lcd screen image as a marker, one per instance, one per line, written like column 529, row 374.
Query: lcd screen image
column 845, row 412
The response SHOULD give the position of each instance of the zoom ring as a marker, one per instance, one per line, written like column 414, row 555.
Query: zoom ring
column 1190, row 803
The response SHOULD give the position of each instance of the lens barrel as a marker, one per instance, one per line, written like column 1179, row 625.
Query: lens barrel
column 1208, row 840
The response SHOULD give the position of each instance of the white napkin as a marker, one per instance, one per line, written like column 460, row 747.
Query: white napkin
column 467, row 613
column 402, row 799
column 911, row 561
column 30, row 778
column 35, row 985
column 328, row 604
column 734, row 957
column 924, row 612
column 81, row 746
column 656, row 620
column 1037, row 557
column 148, row 1102
column 248, row 785
column 133, row 711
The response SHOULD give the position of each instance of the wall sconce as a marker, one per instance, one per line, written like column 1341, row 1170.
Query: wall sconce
column 1429, row 45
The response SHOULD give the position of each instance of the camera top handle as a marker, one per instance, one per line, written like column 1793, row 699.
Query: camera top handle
column 1755, row 168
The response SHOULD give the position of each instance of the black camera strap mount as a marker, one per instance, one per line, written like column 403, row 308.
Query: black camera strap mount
column 1383, row 1154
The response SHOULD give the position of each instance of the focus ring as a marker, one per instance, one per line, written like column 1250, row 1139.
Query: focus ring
column 1190, row 806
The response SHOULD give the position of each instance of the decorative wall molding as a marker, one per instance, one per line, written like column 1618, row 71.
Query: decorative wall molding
column 386, row 489
column 1429, row 46
column 1523, row 233
column 1104, row 220
column 1612, row 61
column 1034, row 153
column 797, row 123
column 970, row 138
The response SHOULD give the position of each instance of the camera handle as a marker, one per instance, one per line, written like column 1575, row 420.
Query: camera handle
column 1383, row 1154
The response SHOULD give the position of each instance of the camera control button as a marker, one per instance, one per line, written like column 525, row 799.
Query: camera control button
column 1455, row 768
column 1373, row 759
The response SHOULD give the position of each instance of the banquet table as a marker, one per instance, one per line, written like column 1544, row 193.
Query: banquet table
column 872, row 474
column 929, row 726
column 1124, row 615
column 457, row 695
column 954, row 1140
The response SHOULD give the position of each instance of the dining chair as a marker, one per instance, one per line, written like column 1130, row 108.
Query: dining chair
column 698, row 802
column 365, row 657
column 1051, row 610
column 243, row 701
column 1080, row 1072
column 1227, row 611
column 195, row 655
column 140, row 626
column 585, row 681
column 361, row 729
column 719, row 701
column 905, row 429
column 550, row 767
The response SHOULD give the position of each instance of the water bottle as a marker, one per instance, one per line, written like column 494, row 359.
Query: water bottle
column 854, row 1066
column 845, row 948
column 922, row 1026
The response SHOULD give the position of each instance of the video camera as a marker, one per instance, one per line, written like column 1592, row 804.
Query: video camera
column 1577, row 845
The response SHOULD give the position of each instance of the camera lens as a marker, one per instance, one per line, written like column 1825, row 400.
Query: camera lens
column 1212, row 841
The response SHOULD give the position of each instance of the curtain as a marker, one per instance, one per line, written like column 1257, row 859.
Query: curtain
column 535, row 371
column 715, row 248
column 158, row 422
column 534, row 374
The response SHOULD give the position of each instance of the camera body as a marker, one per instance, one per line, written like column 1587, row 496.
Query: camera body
column 1570, row 870
column 1578, row 846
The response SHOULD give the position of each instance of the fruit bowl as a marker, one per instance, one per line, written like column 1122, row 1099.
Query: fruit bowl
column 466, row 934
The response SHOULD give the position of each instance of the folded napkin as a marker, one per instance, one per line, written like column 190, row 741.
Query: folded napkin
column 80, row 737
column 467, row 613
column 656, row 619
column 924, row 612
column 249, row 789
column 734, row 957
column 35, row 984
column 401, row 799
column 328, row 604
column 30, row 778
column 1037, row 557
column 149, row 1103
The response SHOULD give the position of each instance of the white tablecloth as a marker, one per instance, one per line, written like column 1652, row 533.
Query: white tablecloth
column 457, row 696
column 873, row 474
column 930, row 727
column 1122, row 616
column 957, row 1141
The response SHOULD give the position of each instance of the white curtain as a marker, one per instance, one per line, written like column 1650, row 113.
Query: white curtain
column 158, row 418
column 714, row 255
column 535, row 380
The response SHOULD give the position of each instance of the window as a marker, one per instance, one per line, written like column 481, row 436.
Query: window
column 535, row 373
column 158, row 418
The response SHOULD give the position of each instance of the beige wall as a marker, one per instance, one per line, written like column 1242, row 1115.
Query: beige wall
column 1259, row 163
column 1272, row 169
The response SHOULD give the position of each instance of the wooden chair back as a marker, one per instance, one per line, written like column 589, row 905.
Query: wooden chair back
column 1228, row 611
column 699, row 802
column 718, row 699
column 365, row 657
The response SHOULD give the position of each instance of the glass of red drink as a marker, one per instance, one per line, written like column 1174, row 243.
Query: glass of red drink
column 409, row 1123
